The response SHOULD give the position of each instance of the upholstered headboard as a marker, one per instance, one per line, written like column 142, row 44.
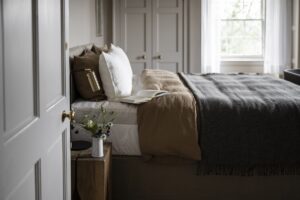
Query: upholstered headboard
column 75, row 51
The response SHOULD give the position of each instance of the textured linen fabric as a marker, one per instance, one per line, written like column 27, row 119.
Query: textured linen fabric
column 247, row 120
column 87, row 60
column 168, row 124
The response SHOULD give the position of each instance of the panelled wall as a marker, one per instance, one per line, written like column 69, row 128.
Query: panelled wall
column 151, row 32
column 82, row 31
column 170, row 28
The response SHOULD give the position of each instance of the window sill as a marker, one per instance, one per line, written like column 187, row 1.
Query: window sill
column 242, row 62
column 248, row 59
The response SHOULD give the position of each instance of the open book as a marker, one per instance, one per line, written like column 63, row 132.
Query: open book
column 143, row 96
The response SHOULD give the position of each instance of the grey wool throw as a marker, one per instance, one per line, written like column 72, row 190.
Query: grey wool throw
column 247, row 121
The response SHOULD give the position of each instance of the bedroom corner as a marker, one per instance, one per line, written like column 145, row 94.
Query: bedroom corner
column 149, row 99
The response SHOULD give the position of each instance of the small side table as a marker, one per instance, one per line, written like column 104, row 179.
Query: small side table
column 93, row 180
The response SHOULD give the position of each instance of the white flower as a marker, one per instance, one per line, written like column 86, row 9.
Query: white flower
column 103, row 137
column 110, row 124
column 90, row 124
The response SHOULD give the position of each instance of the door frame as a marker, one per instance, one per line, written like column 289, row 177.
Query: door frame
column 186, row 30
column 65, row 47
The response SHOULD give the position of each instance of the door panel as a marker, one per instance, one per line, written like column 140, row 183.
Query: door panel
column 135, row 28
column 26, row 188
column 19, row 92
column 168, row 34
column 53, row 164
column 135, row 23
column 167, row 28
column 34, row 142
column 51, row 54
column 168, row 3
column 135, row 3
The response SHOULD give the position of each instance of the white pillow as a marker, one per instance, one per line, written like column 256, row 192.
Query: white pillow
column 116, row 73
column 122, row 54
column 136, row 84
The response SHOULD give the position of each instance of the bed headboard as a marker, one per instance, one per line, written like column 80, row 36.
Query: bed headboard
column 75, row 51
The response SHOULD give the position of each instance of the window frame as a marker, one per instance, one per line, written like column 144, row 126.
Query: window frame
column 248, row 59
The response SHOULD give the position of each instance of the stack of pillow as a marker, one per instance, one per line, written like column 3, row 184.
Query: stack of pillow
column 112, row 69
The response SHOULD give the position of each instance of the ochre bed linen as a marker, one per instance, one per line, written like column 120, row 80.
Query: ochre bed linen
column 168, row 124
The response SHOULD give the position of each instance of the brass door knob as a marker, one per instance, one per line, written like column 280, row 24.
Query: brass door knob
column 143, row 57
column 70, row 115
column 158, row 57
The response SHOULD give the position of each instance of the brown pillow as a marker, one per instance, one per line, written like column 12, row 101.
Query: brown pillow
column 88, row 60
column 98, row 50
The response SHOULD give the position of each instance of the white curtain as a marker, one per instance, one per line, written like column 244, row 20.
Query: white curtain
column 278, row 43
column 210, row 42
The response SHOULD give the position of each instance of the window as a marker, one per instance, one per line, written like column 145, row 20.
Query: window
column 242, row 29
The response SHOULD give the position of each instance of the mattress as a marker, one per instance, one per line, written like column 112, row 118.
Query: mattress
column 124, row 133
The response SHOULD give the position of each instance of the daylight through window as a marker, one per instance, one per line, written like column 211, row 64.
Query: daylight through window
column 242, row 28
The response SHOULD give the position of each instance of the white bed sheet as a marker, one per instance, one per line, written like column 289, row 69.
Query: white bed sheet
column 124, row 133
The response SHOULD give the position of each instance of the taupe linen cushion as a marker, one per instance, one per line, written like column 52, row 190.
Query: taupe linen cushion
column 99, row 50
column 96, row 50
column 88, row 60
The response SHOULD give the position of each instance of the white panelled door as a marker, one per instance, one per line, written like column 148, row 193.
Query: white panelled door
column 135, row 32
column 167, row 49
column 34, row 142
column 151, row 33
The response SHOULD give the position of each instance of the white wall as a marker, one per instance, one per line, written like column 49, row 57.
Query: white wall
column 83, row 23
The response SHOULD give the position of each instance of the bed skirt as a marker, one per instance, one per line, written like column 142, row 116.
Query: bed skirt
column 135, row 178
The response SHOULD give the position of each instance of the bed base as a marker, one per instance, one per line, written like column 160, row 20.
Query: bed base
column 133, row 178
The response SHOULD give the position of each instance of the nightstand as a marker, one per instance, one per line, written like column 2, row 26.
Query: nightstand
column 93, row 175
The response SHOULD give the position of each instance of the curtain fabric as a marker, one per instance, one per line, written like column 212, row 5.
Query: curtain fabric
column 278, row 40
column 210, row 42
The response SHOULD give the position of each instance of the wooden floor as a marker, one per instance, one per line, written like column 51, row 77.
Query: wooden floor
column 134, row 179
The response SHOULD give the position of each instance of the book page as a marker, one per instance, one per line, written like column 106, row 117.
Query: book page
column 135, row 99
column 150, row 93
column 143, row 96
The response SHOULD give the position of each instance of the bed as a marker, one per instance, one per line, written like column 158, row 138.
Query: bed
column 145, row 173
